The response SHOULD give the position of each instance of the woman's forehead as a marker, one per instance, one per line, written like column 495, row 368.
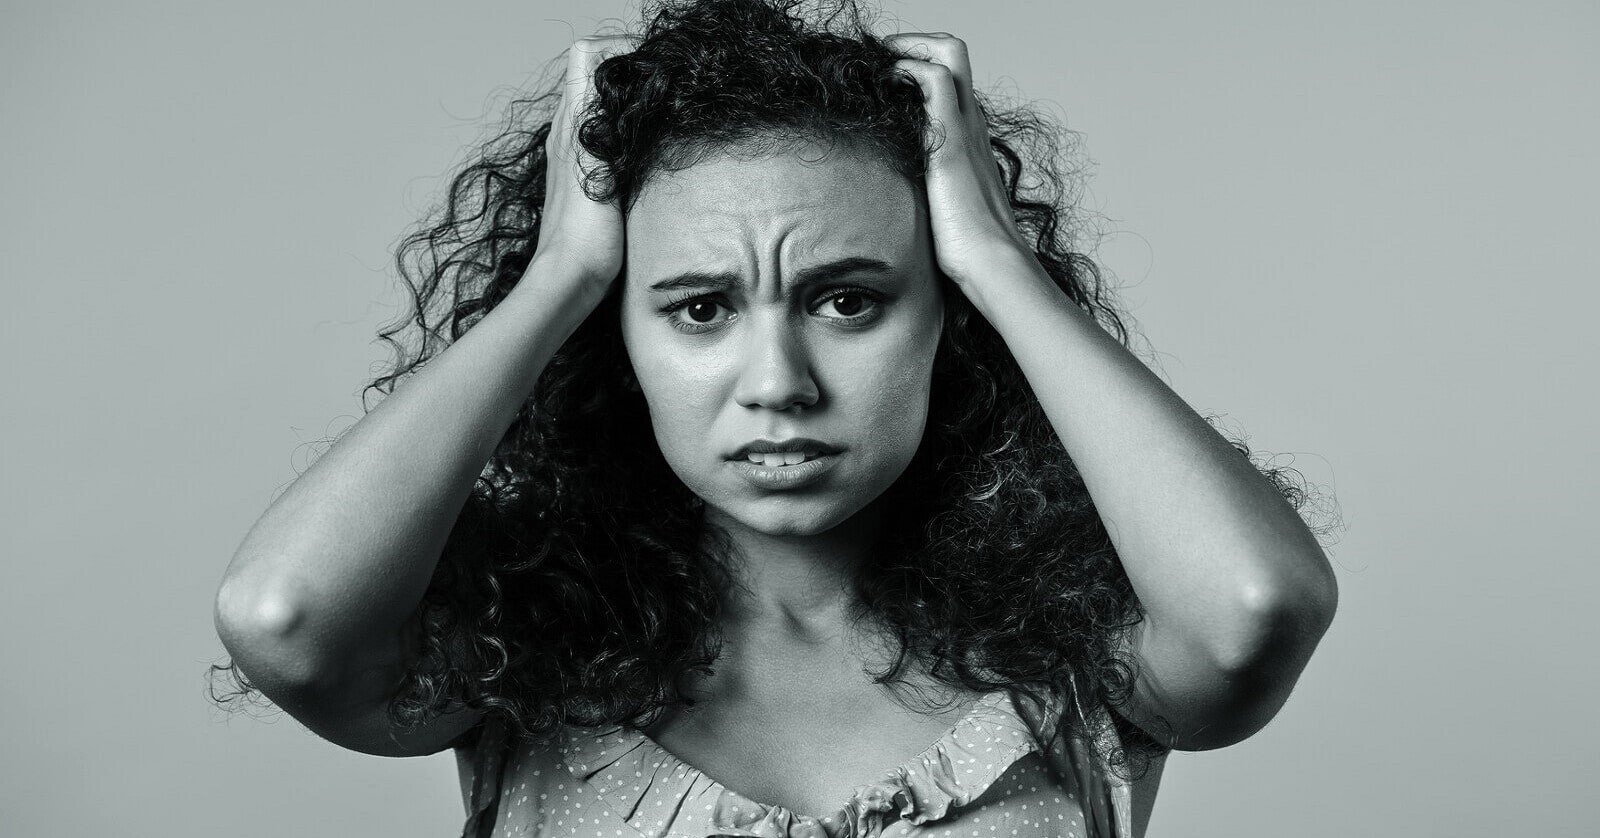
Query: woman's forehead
column 799, row 205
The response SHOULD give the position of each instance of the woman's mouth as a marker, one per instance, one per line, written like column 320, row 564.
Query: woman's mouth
column 775, row 459
column 784, row 470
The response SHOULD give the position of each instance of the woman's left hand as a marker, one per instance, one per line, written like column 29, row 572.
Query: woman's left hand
column 973, row 227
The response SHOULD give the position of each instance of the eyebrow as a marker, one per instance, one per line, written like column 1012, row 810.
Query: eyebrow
column 813, row 275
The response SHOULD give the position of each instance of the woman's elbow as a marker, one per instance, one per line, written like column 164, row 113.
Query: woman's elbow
column 263, row 634
column 1281, row 622
column 1256, row 673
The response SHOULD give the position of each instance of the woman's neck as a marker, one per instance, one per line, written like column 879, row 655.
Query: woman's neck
column 797, row 587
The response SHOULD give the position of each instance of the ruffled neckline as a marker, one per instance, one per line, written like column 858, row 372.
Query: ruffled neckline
column 660, row 795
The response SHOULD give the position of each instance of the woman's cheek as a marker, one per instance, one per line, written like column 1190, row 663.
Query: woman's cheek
column 899, row 399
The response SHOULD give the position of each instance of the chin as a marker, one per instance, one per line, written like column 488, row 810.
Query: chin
column 787, row 516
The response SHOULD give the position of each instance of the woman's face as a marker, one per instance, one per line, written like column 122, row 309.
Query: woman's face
column 785, row 297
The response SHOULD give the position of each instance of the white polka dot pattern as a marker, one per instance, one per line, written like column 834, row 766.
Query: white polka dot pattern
column 987, row 777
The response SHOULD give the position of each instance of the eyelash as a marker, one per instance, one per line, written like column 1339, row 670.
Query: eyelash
column 675, row 305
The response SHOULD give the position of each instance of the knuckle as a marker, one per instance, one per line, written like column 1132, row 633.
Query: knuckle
column 950, row 52
column 598, row 43
column 594, row 49
column 924, row 70
column 906, row 41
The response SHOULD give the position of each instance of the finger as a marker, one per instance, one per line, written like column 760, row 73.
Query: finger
column 588, row 53
column 577, row 83
column 949, row 51
column 938, row 95
column 585, row 55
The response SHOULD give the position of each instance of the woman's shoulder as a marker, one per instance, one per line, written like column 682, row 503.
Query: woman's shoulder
column 465, row 748
column 1117, row 787
column 491, row 760
column 472, row 754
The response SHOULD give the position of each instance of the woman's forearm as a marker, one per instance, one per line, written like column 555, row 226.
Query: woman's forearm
column 1221, row 562
column 326, row 578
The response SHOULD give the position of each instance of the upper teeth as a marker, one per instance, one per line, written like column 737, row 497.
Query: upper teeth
column 781, row 458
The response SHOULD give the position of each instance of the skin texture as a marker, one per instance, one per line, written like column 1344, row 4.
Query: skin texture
column 775, row 358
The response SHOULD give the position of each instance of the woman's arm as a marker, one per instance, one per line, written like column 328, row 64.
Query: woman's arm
column 314, row 603
column 1236, row 590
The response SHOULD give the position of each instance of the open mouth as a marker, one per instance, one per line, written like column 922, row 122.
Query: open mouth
column 785, row 470
column 775, row 458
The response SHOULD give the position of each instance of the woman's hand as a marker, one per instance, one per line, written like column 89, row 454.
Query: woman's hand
column 973, row 227
column 577, row 235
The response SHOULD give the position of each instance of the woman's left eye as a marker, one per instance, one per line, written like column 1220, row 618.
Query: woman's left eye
column 851, row 304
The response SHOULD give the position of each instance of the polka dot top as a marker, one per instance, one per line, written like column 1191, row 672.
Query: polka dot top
column 989, row 776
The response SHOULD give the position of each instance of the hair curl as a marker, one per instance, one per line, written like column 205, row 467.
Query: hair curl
column 568, row 595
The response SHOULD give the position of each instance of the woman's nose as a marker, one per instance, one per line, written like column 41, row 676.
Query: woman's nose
column 775, row 367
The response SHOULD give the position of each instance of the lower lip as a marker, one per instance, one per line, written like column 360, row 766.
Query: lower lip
column 785, row 477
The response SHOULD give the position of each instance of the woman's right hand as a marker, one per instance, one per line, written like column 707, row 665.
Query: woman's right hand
column 578, row 236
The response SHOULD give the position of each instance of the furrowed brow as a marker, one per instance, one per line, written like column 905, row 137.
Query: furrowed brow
column 829, row 271
column 813, row 275
column 698, row 279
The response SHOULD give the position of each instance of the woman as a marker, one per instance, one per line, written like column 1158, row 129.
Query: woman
column 809, row 443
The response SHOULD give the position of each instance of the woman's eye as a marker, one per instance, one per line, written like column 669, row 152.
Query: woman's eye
column 694, row 314
column 848, row 305
column 702, row 312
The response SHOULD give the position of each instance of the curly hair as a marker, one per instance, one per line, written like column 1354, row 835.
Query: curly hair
column 576, row 586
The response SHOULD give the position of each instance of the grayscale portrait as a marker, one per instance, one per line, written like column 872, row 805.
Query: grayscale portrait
column 799, row 419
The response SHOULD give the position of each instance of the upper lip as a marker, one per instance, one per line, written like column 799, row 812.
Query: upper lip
column 794, row 445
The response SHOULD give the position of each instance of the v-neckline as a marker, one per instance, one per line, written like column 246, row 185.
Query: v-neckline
column 982, row 707
column 661, row 795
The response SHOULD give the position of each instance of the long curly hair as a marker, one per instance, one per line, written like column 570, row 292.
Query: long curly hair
column 576, row 586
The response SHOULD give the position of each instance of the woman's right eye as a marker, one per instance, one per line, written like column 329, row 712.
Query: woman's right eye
column 701, row 312
column 694, row 314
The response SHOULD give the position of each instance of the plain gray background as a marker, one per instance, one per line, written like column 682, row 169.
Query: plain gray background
column 1362, row 231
